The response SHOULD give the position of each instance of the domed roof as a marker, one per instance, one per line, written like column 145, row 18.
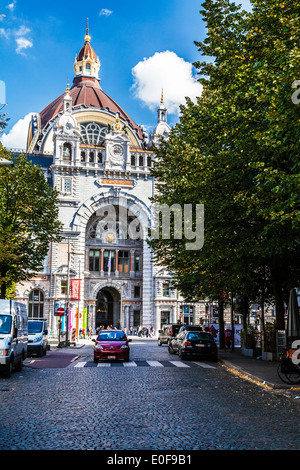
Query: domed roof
column 87, row 51
column 86, row 91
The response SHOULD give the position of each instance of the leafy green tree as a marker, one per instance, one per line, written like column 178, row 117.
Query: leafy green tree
column 28, row 220
column 236, row 151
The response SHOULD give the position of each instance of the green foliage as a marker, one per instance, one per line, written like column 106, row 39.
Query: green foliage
column 28, row 220
column 237, row 152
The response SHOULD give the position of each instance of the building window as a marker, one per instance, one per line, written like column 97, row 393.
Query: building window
column 66, row 185
column 93, row 133
column 149, row 161
column 109, row 261
column 123, row 263
column 67, row 152
column 91, row 158
column 36, row 304
column 83, row 156
column 64, row 287
column 94, row 260
column 141, row 160
column 88, row 67
column 99, row 158
column 137, row 263
column 137, row 292
column 132, row 160
column 166, row 289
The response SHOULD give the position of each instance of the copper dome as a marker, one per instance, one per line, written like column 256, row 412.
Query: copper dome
column 87, row 92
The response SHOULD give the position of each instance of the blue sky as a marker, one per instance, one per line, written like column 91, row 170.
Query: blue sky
column 142, row 47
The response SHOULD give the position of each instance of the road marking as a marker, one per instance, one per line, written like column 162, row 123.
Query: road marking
column 155, row 364
column 130, row 364
column 103, row 364
column 80, row 364
column 179, row 364
column 205, row 366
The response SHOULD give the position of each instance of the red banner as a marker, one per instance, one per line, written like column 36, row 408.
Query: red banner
column 75, row 289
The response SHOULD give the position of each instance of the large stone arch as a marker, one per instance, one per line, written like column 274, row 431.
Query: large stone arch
column 118, row 197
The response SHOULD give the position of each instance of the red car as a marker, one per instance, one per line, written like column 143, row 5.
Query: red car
column 111, row 344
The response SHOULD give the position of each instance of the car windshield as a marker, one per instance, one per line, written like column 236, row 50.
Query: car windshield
column 5, row 324
column 111, row 336
column 198, row 335
column 35, row 326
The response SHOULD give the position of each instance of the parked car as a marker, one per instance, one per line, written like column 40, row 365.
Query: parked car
column 37, row 337
column 167, row 333
column 13, row 336
column 111, row 344
column 194, row 344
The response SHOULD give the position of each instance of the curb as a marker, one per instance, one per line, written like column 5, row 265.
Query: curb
column 256, row 379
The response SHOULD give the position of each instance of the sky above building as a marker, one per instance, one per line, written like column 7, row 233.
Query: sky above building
column 143, row 47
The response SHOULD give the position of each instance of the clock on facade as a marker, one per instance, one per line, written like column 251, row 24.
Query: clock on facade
column 118, row 150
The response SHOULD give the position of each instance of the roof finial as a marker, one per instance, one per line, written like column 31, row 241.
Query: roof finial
column 68, row 87
column 162, row 96
column 87, row 37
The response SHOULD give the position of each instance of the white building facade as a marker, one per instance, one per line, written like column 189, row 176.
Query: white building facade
column 99, row 161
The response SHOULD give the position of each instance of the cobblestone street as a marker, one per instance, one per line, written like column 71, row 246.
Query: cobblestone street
column 155, row 402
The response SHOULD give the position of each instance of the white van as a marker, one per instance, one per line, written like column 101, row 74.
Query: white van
column 37, row 337
column 13, row 336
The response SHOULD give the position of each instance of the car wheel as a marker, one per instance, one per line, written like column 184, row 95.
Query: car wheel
column 159, row 343
column 181, row 355
column 170, row 349
column 19, row 366
column 8, row 370
column 126, row 359
column 95, row 360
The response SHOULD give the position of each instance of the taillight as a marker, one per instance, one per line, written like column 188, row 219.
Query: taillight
column 188, row 343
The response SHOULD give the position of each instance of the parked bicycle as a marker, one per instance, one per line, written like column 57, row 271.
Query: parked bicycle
column 288, row 371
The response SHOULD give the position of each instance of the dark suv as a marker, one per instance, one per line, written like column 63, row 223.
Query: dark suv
column 167, row 333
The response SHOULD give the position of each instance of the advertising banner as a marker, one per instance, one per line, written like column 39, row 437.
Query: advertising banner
column 85, row 319
column 75, row 289
column 214, row 329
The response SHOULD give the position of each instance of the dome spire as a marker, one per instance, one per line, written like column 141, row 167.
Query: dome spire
column 87, row 36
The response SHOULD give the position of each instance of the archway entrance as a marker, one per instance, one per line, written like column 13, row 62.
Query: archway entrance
column 108, row 308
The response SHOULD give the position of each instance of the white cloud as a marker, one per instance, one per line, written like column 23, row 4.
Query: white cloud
column 11, row 6
column 167, row 71
column 23, row 43
column 105, row 12
column 17, row 136
column 4, row 33
column 22, row 31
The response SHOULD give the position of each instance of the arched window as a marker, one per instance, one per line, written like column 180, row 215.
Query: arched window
column 132, row 160
column 88, row 67
column 92, row 133
column 99, row 158
column 91, row 157
column 149, row 161
column 67, row 152
column 36, row 304
column 141, row 160
column 83, row 156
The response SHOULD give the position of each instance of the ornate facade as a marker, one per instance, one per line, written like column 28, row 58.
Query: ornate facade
column 99, row 160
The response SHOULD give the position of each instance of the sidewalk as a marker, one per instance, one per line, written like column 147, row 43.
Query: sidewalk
column 264, row 372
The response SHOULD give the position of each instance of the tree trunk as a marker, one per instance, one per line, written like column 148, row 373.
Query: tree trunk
column 3, row 291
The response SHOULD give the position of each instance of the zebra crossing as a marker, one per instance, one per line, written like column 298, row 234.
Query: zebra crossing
column 144, row 363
